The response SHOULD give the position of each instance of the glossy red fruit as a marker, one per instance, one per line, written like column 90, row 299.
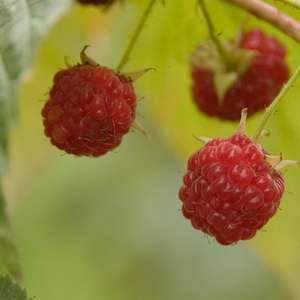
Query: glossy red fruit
column 90, row 109
column 254, row 88
column 230, row 191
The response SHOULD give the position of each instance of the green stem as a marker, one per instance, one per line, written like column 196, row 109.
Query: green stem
column 211, row 30
column 8, row 250
column 271, row 109
column 136, row 35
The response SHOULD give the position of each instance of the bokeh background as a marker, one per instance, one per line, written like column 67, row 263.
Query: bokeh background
column 111, row 228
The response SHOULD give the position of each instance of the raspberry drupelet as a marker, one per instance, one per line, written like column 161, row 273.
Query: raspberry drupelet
column 231, row 188
column 251, row 80
column 90, row 108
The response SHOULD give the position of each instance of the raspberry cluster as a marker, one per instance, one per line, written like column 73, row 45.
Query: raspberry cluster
column 230, row 191
column 89, row 110
column 254, row 89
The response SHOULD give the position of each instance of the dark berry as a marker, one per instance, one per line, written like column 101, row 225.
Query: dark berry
column 230, row 191
column 89, row 110
column 253, row 87
column 97, row 2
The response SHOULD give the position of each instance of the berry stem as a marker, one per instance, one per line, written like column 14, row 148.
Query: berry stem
column 85, row 59
column 243, row 120
column 136, row 35
column 211, row 30
column 271, row 14
column 271, row 109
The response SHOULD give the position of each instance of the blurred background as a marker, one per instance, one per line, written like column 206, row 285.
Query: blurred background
column 111, row 228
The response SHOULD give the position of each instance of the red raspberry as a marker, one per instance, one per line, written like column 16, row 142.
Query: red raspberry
column 89, row 110
column 254, row 88
column 230, row 191
column 96, row 2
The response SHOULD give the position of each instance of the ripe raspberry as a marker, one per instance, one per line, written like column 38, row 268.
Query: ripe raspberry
column 89, row 110
column 97, row 2
column 230, row 189
column 253, row 84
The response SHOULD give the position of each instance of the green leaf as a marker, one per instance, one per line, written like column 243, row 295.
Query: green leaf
column 9, row 260
column 23, row 23
column 11, row 291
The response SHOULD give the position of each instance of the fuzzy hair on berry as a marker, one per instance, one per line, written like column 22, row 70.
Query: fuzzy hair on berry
column 231, row 188
column 249, row 73
column 89, row 110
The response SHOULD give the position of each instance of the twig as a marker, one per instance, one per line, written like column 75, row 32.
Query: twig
column 272, row 15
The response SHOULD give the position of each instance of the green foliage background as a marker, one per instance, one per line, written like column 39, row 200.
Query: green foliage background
column 110, row 228
column 10, row 290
